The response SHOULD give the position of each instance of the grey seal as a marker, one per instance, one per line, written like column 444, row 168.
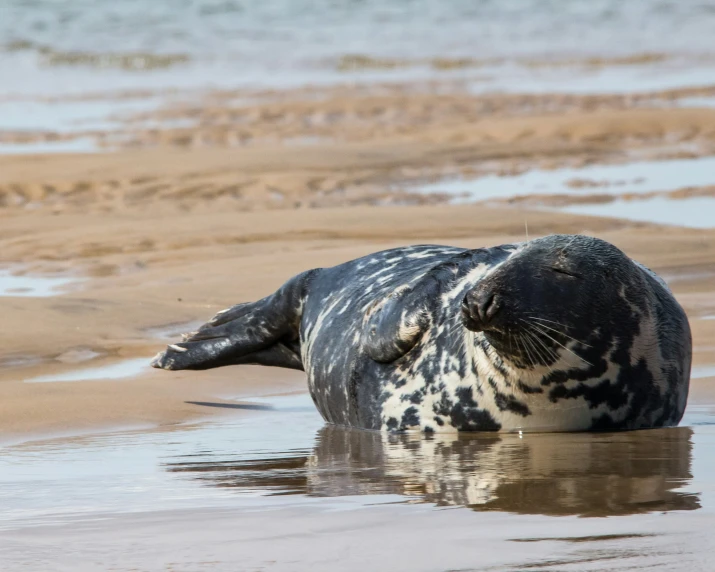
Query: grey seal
column 560, row 333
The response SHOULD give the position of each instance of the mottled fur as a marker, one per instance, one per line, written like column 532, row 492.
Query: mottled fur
column 585, row 339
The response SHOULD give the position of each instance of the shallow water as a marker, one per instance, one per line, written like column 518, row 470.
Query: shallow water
column 79, row 46
column 701, row 371
column 581, row 80
column 255, row 457
column 68, row 116
column 76, row 145
column 116, row 370
column 697, row 102
column 694, row 212
column 637, row 177
column 277, row 471
column 31, row 285
column 80, row 120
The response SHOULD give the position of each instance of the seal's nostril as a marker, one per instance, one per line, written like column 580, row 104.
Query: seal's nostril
column 480, row 305
column 491, row 308
column 483, row 301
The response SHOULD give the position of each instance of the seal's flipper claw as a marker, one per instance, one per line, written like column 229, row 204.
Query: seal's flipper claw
column 201, row 354
column 158, row 361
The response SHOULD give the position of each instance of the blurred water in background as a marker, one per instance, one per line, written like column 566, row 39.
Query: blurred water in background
column 83, row 76
column 70, row 46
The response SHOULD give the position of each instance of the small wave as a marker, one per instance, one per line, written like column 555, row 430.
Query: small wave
column 355, row 62
column 127, row 61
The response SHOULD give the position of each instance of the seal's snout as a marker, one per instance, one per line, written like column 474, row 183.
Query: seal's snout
column 479, row 308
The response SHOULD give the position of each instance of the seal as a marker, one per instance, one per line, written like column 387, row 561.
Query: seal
column 560, row 333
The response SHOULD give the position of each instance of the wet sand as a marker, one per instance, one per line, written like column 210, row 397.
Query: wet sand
column 378, row 537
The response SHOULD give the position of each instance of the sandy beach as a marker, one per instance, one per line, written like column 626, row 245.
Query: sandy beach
column 153, row 241
column 145, row 187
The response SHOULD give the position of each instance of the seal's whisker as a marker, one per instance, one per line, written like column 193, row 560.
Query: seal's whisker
column 529, row 360
column 521, row 351
column 543, row 347
column 530, row 341
column 535, row 317
column 575, row 236
column 534, row 334
column 532, row 361
column 563, row 334
column 530, row 344
column 563, row 346
column 549, row 352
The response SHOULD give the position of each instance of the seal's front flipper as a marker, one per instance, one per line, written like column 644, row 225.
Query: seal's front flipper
column 394, row 326
column 263, row 332
column 225, row 344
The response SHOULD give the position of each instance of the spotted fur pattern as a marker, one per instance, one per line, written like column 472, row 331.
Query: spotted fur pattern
column 384, row 345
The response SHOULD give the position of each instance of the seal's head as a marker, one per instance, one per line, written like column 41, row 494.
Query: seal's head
column 557, row 294
column 573, row 318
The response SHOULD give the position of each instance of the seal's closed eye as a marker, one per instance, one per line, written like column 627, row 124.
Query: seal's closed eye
column 561, row 270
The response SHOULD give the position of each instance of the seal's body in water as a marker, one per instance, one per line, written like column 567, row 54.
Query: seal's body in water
column 562, row 333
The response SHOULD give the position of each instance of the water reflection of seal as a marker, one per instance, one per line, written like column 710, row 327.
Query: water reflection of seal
column 576, row 474
column 562, row 333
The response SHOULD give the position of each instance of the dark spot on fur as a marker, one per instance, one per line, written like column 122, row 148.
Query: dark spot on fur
column 465, row 397
column 410, row 418
column 471, row 419
column 414, row 397
column 392, row 424
column 439, row 421
column 527, row 388
column 511, row 403
column 613, row 395
column 443, row 406
column 600, row 366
